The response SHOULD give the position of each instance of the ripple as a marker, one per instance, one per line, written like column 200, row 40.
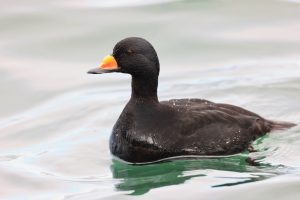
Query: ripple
column 116, row 3
column 8, row 157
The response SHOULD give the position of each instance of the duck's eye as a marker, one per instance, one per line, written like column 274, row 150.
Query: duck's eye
column 129, row 51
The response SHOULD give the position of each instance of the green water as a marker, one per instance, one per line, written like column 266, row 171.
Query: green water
column 141, row 179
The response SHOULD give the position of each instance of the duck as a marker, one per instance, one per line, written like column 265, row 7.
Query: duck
column 149, row 130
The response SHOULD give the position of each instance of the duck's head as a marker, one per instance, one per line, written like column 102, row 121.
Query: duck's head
column 134, row 56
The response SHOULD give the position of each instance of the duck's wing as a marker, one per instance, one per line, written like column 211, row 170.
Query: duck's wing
column 222, row 110
column 220, row 118
column 214, row 132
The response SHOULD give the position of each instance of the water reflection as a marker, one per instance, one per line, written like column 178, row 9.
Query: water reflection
column 142, row 178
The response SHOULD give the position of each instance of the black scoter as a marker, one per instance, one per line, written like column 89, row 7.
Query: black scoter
column 150, row 130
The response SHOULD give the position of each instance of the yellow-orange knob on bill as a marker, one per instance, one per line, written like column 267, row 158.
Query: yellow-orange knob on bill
column 109, row 62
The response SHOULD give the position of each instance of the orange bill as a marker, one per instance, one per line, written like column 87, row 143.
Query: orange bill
column 108, row 62
column 108, row 65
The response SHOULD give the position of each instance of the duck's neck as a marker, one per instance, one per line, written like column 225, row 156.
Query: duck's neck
column 144, row 89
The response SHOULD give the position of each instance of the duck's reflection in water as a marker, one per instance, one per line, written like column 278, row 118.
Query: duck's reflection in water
column 139, row 179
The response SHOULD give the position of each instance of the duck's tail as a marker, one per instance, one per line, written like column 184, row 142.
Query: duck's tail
column 280, row 125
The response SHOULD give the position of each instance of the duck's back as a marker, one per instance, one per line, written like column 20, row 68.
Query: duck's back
column 198, row 105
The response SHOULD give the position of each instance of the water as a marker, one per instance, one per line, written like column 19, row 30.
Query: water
column 55, row 120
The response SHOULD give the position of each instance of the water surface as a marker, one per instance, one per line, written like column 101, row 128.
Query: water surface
column 55, row 120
